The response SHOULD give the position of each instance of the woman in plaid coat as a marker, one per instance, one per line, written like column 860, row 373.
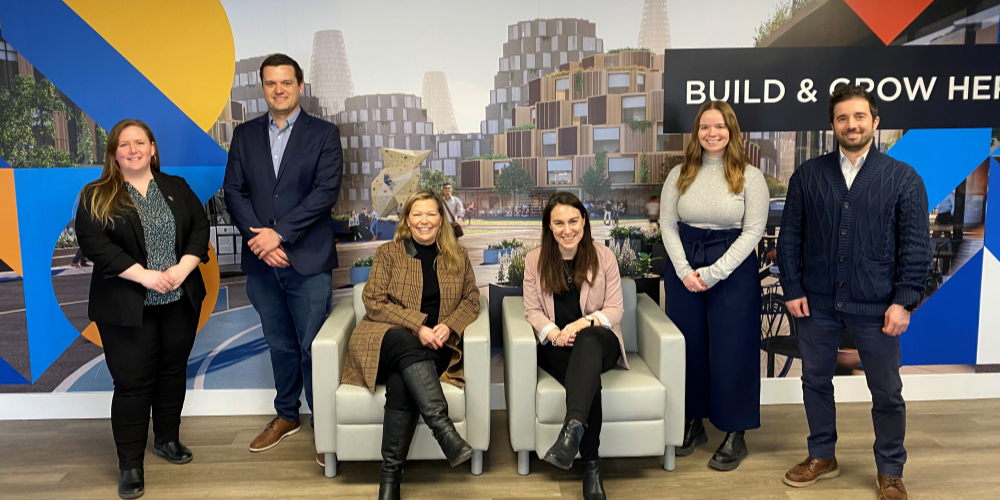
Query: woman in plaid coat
column 419, row 298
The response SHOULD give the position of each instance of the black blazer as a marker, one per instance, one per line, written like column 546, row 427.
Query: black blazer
column 297, row 202
column 119, row 246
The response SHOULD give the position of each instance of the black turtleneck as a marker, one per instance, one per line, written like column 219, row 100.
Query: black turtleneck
column 430, row 300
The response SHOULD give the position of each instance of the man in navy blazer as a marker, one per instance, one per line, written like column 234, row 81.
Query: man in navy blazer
column 282, row 179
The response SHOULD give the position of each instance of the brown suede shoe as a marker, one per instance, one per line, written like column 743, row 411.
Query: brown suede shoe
column 275, row 431
column 891, row 488
column 810, row 471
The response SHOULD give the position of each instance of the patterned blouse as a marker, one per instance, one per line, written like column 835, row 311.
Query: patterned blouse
column 160, row 232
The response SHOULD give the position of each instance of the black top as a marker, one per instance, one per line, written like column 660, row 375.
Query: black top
column 567, row 303
column 430, row 299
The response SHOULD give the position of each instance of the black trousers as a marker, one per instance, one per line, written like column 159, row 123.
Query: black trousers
column 149, row 367
column 578, row 369
column 400, row 349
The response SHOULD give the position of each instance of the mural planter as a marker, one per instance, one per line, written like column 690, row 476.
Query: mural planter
column 386, row 230
column 659, row 250
column 497, row 294
column 493, row 256
column 359, row 275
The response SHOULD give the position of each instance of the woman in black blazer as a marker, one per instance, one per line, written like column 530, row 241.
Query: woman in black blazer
column 146, row 233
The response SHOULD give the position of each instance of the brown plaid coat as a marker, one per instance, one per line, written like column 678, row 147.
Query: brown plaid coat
column 392, row 300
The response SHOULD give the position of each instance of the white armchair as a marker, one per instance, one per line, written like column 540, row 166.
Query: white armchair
column 348, row 419
column 643, row 407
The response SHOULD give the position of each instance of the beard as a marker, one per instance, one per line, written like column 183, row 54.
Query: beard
column 856, row 144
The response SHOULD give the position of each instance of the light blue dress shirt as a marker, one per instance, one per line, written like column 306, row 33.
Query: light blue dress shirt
column 279, row 137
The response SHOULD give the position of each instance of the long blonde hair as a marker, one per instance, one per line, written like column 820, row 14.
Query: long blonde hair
column 449, row 250
column 107, row 197
column 734, row 159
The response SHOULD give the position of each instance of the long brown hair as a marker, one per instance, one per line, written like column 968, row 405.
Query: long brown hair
column 550, row 262
column 107, row 197
column 734, row 159
column 449, row 250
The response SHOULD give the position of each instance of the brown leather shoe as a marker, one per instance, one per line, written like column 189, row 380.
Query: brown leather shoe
column 810, row 471
column 321, row 459
column 275, row 431
column 891, row 488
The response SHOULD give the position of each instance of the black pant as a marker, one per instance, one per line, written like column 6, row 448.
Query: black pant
column 400, row 349
column 149, row 365
column 594, row 352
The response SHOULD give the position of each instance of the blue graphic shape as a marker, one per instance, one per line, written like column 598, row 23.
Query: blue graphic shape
column 945, row 329
column 43, row 218
column 4, row 164
column 100, row 80
column 10, row 376
column 992, row 238
column 943, row 157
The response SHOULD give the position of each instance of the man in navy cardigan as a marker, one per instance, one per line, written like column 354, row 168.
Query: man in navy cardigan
column 853, row 250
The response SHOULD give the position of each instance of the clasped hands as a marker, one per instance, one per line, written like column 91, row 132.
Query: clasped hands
column 566, row 336
column 267, row 247
column 434, row 338
column 694, row 283
column 164, row 281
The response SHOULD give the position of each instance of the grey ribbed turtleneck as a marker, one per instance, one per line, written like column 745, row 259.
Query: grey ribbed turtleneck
column 708, row 204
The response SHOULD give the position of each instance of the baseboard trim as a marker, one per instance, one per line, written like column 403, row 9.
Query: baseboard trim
column 849, row 389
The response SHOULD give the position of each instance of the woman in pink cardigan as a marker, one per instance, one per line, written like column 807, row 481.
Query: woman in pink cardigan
column 573, row 300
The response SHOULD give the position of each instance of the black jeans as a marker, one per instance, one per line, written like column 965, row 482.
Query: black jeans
column 594, row 352
column 149, row 366
column 400, row 349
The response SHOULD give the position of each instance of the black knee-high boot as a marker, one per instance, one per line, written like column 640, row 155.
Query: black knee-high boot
column 397, row 433
column 421, row 380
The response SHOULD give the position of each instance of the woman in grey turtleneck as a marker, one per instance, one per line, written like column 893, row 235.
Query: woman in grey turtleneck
column 712, row 215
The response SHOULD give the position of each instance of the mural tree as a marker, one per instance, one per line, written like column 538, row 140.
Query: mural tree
column 26, row 118
column 512, row 181
column 595, row 181
column 434, row 180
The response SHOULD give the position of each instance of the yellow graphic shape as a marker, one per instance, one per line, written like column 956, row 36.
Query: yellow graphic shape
column 398, row 179
column 10, row 241
column 184, row 47
column 209, row 273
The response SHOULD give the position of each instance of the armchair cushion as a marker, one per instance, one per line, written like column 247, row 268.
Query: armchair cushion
column 627, row 395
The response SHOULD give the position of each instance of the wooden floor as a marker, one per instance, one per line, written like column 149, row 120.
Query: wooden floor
column 954, row 452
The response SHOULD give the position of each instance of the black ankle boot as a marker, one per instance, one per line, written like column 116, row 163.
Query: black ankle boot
column 562, row 453
column 397, row 433
column 173, row 452
column 421, row 380
column 593, row 480
column 131, row 483
column 694, row 435
column 732, row 450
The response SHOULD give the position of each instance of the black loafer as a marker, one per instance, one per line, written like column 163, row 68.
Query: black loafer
column 173, row 452
column 131, row 484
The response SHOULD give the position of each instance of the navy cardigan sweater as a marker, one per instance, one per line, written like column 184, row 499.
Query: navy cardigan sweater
column 855, row 251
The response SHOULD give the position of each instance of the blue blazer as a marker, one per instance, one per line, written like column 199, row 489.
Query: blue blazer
column 297, row 202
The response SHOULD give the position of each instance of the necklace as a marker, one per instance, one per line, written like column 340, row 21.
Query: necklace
column 569, row 276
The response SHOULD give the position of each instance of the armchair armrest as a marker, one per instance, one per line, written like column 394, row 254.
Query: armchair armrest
column 477, row 378
column 520, row 374
column 661, row 346
column 329, row 350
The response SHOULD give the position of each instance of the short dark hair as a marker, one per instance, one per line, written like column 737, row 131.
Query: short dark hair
column 281, row 60
column 447, row 184
column 848, row 92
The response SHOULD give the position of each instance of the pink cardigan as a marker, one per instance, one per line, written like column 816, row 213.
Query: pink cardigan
column 603, row 300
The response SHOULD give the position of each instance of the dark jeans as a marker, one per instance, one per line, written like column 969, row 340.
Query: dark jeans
column 819, row 340
column 594, row 352
column 149, row 365
column 292, row 308
column 721, row 328
column 400, row 349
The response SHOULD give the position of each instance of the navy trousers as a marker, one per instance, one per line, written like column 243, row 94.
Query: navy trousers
column 819, row 340
column 292, row 308
column 721, row 330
